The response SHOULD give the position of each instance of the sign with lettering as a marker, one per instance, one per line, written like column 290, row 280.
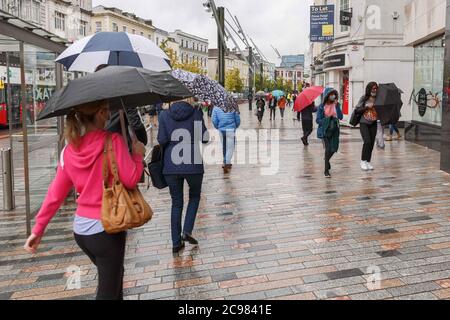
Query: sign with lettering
column 422, row 102
column 322, row 23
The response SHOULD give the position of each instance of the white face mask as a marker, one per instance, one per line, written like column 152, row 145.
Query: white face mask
column 373, row 94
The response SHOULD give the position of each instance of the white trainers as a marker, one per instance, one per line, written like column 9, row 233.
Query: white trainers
column 369, row 166
column 364, row 166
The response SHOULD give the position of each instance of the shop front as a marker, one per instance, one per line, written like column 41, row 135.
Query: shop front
column 427, row 96
column 29, row 76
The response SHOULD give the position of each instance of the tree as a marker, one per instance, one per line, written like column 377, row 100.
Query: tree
column 193, row 66
column 233, row 81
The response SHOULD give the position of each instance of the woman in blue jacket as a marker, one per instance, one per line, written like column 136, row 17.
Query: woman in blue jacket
column 328, row 116
column 181, row 132
column 227, row 122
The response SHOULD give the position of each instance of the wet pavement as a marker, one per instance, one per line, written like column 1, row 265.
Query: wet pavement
column 293, row 235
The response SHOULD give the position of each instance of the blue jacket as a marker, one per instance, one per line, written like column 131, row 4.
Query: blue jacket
column 181, row 132
column 225, row 121
column 321, row 112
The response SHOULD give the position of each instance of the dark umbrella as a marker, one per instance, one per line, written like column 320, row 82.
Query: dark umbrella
column 388, row 103
column 122, row 86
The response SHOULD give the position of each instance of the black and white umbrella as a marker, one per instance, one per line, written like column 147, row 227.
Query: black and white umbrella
column 114, row 49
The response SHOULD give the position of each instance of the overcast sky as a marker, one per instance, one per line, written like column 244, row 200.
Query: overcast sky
column 281, row 23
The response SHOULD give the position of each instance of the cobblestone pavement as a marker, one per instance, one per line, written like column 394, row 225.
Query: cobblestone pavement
column 294, row 235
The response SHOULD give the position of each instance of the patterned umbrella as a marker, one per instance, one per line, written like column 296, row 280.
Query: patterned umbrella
column 207, row 90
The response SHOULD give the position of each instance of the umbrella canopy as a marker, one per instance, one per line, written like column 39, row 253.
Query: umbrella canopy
column 207, row 90
column 307, row 97
column 122, row 86
column 278, row 93
column 114, row 49
column 260, row 94
column 388, row 103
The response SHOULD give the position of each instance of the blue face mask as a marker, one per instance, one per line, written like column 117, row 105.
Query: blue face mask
column 332, row 98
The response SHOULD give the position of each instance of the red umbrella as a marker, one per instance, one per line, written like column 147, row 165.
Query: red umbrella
column 307, row 97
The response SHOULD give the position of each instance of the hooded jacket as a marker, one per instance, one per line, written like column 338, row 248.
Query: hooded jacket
column 321, row 112
column 181, row 131
column 225, row 121
column 82, row 168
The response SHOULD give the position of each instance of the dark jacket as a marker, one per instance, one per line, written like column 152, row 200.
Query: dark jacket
column 185, row 120
column 307, row 113
column 134, row 120
column 321, row 112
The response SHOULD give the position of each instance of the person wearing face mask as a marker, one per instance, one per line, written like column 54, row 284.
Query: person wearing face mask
column 368, row 124
column 329, row 114
column 81, row 167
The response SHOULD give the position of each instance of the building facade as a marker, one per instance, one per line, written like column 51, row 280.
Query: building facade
column 371, row 49
column 233, row 60
column 162, row 36
column 69, row 19
column 115, row 20
column 425, row 33
column 192, row 48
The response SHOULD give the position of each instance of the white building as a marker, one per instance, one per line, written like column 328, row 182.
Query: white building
column 192, row 48
column 69, row 19
column 371, row 49
column 233, row 60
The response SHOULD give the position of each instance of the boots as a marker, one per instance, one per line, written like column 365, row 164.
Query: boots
column 399, row 136
column 389, row 137
column 227, row 168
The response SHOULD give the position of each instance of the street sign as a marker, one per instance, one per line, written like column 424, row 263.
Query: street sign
column 346, row 18
column 322, row 23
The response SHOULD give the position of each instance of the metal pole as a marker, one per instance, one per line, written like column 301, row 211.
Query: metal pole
column 261, row 75
column 221, row 27
column 60, row 120
column 7, row 175
column 26, row 168
column 10, row 120
column 251, row 79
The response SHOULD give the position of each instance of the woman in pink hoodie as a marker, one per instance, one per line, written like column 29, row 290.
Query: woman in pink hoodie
column 81, row 167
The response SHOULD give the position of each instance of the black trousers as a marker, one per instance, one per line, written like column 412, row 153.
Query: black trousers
column 369, row 135
column 273, row 112
column 328, row 153
column 307, row 125
column 107, row 252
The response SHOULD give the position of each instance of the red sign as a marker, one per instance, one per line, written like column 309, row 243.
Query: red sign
column 346, row 97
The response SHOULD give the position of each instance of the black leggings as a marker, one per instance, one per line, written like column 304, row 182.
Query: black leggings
column 369, row 135
column 328, row 153
column 273, row 111
column 307, row 125
column 107, row 252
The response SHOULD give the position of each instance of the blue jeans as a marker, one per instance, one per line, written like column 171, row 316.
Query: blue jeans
column 392, row 128
column 228, row 145
column 176, row 187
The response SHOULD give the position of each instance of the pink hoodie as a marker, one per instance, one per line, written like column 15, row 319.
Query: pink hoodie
column 82, row 168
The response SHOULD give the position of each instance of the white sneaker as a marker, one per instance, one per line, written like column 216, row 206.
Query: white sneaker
column 369, row 166
column 364, row 166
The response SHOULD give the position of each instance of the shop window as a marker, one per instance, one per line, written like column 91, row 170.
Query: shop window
column 426, row 97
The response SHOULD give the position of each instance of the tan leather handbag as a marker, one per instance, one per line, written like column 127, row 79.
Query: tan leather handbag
column 122, row 209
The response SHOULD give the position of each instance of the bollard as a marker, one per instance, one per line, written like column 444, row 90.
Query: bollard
column 7, row 175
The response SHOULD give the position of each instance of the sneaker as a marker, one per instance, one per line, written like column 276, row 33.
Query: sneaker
column 178, row 248
column 364, row 166
column 327, row 174
column 305, row 142
column 369, row 166
column 189, row 239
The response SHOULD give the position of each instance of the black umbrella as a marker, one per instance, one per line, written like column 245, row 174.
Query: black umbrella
column 388, row 103
column 122, row 86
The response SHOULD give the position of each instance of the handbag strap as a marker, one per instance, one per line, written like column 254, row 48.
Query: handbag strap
column 109, row 160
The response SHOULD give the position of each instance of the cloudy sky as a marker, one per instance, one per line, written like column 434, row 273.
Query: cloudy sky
column 281, row 23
